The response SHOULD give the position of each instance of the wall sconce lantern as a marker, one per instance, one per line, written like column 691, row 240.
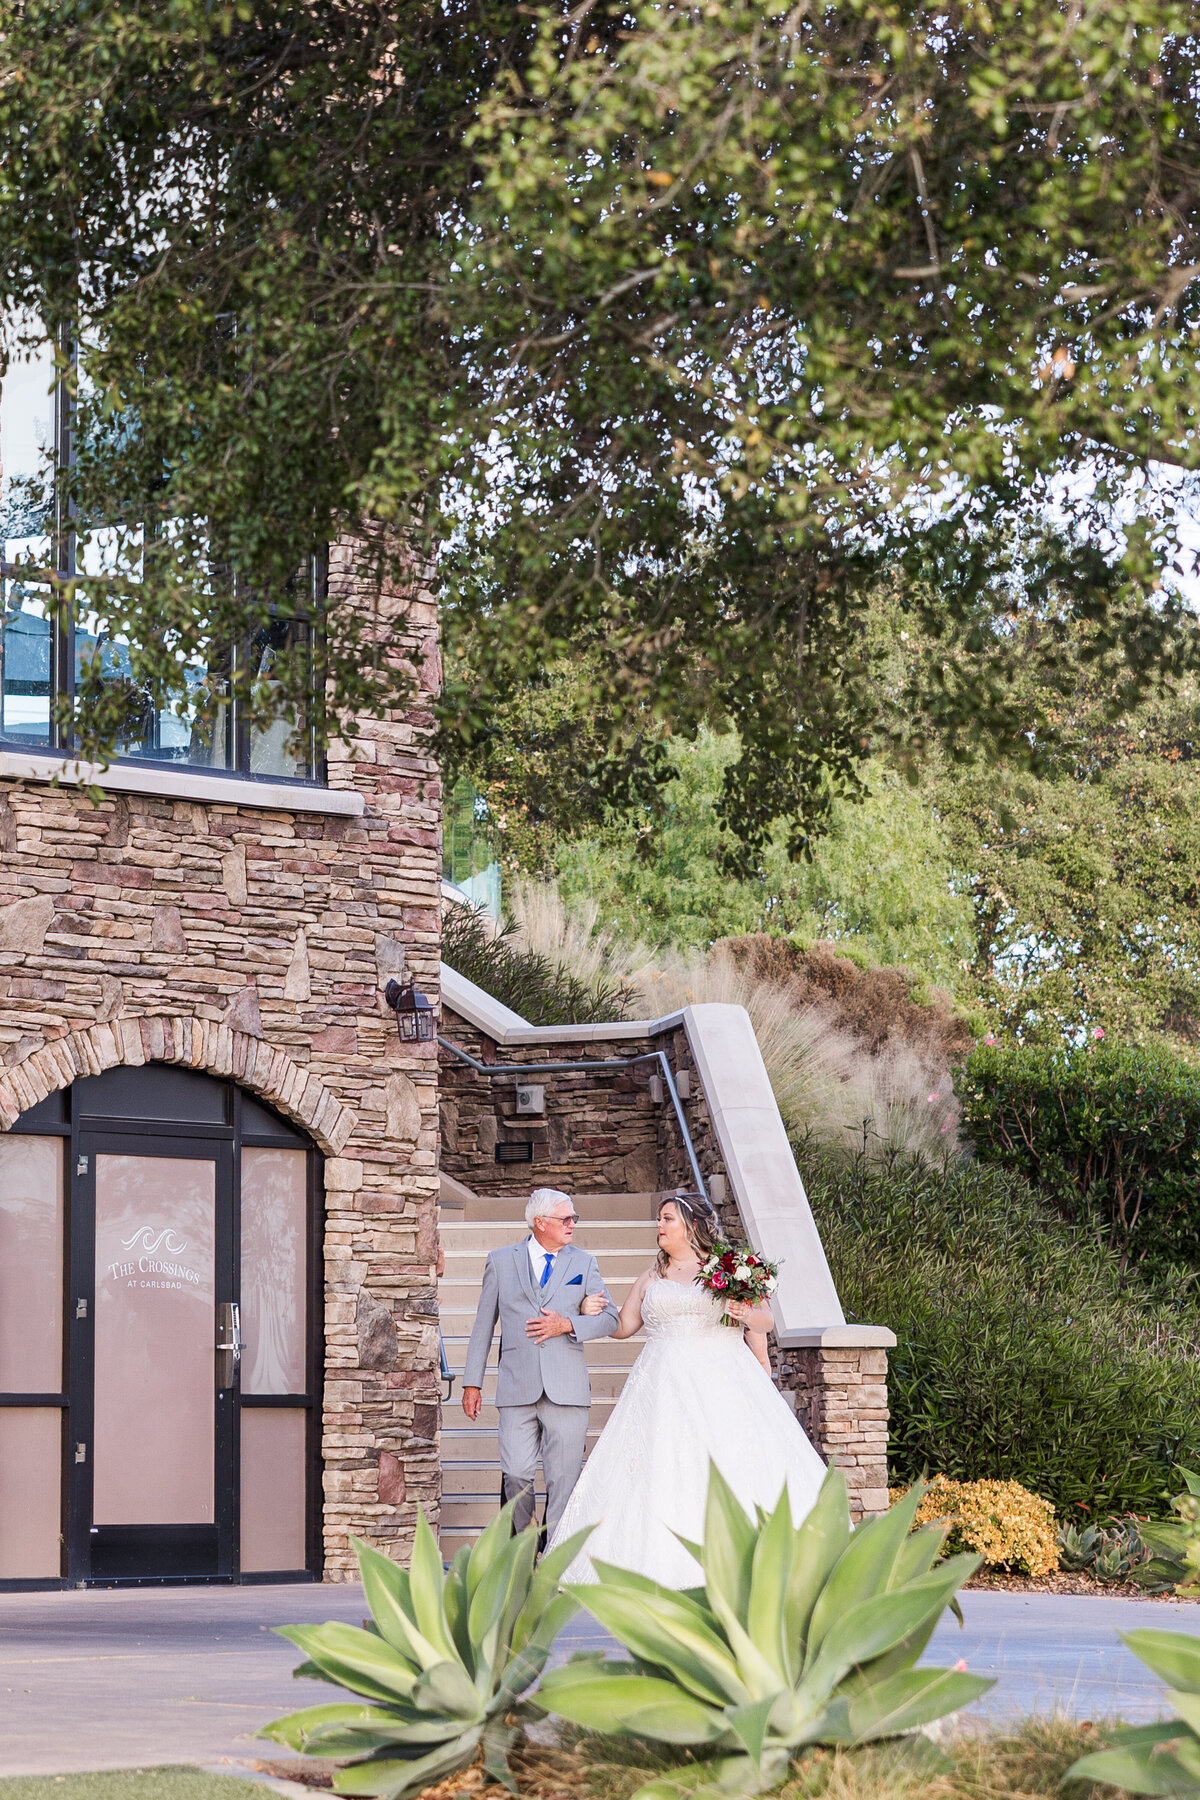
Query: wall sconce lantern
column 414, row 1013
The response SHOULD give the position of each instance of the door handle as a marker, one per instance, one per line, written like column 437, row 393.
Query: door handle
column 229, row 1342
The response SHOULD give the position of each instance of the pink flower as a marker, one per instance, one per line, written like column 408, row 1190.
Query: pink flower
column 1098, row 1032
column 960, row 1667
column 990, row 1038
column 719, row 1280
column 932, row 1098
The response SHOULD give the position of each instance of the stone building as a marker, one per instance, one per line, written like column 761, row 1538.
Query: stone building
column 216, row 1148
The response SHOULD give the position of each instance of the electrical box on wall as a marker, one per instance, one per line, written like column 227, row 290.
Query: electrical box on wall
column 531, row 1099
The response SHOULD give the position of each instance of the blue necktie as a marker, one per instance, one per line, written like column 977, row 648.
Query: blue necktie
column 549, row 1255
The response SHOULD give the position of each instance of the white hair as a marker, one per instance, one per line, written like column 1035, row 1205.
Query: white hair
column 543, row 1201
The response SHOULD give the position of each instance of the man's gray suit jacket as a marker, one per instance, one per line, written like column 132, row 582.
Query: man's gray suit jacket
column 510, row 1294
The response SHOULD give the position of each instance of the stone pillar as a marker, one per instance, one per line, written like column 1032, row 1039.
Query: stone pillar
column 837, row 1382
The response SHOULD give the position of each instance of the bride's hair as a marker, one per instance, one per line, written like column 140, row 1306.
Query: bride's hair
column 700, row 1221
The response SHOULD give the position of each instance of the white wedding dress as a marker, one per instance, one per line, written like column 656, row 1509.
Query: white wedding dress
column 696, row 1393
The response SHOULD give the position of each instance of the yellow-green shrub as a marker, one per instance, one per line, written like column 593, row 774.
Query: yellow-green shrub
column 1000, row 1520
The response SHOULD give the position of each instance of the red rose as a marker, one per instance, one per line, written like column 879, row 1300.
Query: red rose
column 719, row 1280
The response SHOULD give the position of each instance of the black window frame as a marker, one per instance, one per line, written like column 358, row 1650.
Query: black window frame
column 62, row 565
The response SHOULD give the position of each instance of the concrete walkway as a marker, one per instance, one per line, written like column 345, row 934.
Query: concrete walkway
column 131, row 1678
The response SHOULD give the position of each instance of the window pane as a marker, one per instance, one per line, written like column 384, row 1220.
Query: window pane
column 26, row 451
column 277, row 749
column 274, row 1264
column 30, row 1492
column 273, row 1489
column 26, row 664
column 194, row 728
column 31, row 1265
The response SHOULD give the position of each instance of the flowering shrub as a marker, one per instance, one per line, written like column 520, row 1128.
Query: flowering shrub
column 1000, row 1520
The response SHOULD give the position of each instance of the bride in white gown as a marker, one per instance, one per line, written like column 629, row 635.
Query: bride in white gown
column 696, row 1393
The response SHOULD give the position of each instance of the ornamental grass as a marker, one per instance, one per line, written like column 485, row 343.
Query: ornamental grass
column 1000, row 1520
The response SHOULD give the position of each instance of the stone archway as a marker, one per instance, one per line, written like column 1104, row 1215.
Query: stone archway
column 208, row 1045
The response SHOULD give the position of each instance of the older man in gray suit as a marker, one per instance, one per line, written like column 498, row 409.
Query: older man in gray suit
column 535, row 1289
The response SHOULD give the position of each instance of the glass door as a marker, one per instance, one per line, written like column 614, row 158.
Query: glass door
column 155, row 1358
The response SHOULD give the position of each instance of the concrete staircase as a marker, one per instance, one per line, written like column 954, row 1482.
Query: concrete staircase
column 619, row 1230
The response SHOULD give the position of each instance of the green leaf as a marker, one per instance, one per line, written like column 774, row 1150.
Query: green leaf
column 391, row 1780
column 770, row 1574
column 666, row 1633
column 749, row 1725
column 426, row 1581
column 616, row 1697
column 820, row 1541
column 447, row 1689
column 1172, row 1655
column 904, row 1702
column 864, row 1568
column 295, row 1729
column 386, row 1587
column 354, row 1659
column 544, row 1590
column 1144, row 1769
column 879, row 1623
column 728, row 1551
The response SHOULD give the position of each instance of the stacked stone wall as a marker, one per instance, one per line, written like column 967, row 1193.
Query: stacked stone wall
column 599, row 1133
column 256, row 944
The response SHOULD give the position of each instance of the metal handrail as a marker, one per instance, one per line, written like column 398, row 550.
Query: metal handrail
column 610, row 1062
column 447, row 1373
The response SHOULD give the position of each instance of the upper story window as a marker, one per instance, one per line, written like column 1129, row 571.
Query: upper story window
column 46, row 663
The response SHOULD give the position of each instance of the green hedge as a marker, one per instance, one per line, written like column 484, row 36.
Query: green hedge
column 1110, row 1134
column 1022, row 1353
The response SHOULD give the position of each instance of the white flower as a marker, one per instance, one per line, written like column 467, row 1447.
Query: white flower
column 742, row 1273
column 772, row 1282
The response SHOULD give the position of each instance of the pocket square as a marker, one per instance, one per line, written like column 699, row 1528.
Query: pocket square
column 575, row 1281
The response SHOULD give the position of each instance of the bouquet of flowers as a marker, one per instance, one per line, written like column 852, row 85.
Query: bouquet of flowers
column 735, row 1272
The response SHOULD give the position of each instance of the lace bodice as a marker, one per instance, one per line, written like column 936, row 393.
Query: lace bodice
column 680, row 1309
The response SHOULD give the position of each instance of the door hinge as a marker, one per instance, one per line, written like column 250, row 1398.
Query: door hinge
column 81, row 1453
column 81, row 1165
column 81, row 1309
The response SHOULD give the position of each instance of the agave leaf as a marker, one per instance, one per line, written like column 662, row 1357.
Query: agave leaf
column 819, row 1543
column 877, row 1624
column 610, row 1696
column 667, row 1635
column 725, row 1778
column 402, row 1737
column 457, row 1601
column 749, row 1725
column 447, row 1690
column 487, row 1609
column 919, row 1551
column 490, row 1544
column 765, row 1612
column 763, row 1680
column 1187, row 1706
column 426, row 1582
column 498, row 1740
column 728, row 1553
column 1138, row 1768
column 1172, row 1655
column 904, row 1702
column 294, row 1730
column 387, row 1591
column 517, row 1597
column 354, row 1659
column 544, row 1588
column 863, row 1569
column 391, row 1779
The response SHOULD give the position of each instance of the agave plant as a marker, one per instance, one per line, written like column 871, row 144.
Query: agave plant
column 1163, row 1758
column 1175, row 1543
column 799, row 1636
column 443, row 1664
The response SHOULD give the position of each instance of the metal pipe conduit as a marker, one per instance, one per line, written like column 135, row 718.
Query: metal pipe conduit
column 573, row 1068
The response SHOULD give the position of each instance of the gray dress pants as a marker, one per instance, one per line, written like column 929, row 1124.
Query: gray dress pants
column 556, row 1434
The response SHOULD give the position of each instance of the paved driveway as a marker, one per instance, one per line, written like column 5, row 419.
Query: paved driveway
column 102, row 1680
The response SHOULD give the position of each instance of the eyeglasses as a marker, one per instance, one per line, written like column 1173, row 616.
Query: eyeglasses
column 566, row 1218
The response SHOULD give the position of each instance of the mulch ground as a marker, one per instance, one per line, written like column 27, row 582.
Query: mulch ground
column 1000, row 1583
column 542, row 1773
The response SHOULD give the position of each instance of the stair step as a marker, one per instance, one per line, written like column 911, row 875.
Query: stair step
column 511, row 1207
column 463, row 1296
column 467, row 1263
column 599, row 1353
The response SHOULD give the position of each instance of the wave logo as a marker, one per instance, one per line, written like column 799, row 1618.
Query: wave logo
column 150, row 1242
